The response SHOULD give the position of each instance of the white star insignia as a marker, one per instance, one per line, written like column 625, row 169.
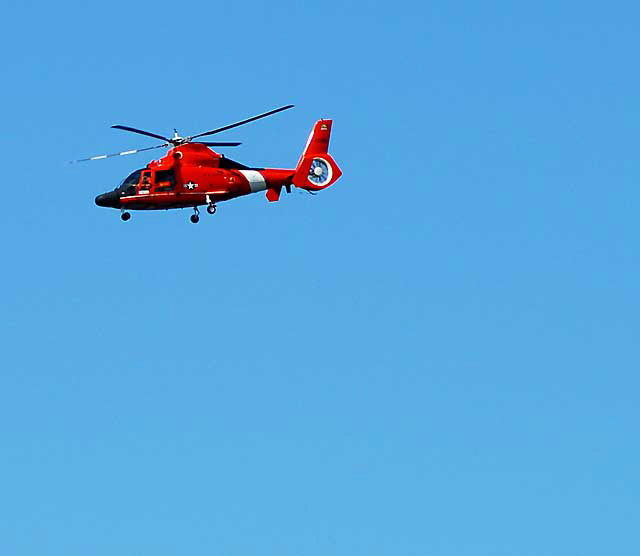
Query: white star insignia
column 190, row 185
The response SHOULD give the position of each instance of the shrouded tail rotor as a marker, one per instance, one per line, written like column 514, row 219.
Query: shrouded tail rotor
column 317, row 169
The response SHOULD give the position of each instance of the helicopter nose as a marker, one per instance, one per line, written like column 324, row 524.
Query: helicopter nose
column 110, row 199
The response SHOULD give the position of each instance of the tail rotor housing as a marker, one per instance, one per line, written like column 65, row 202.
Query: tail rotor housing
column 316, row 168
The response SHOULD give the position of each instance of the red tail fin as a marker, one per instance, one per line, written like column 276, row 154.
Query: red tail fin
column 316, row 168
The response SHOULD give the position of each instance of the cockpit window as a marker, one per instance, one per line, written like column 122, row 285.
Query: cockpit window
column 132, row 179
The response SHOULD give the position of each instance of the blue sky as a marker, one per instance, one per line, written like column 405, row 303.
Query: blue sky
column 438, row 355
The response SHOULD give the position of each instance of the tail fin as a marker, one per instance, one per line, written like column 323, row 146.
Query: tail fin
column 316, row 168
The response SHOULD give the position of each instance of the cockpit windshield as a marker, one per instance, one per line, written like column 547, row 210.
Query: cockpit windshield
column 131, row 179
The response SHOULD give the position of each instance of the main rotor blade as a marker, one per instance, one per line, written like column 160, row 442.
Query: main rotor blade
column 224, row 128
column 140, row 131
column 101, row 156
column 219, row 144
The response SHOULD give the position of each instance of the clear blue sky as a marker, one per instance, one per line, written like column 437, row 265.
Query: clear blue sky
column 436, row 356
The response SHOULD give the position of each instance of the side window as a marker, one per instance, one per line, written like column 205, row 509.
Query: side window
column 165, row 180
column 145, row 184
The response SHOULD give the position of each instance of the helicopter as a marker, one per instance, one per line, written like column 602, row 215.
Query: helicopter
column 191, row 174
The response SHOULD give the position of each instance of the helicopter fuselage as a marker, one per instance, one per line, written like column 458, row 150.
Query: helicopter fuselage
column 191, row 175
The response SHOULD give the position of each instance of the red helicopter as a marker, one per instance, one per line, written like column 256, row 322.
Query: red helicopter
column 191, row 174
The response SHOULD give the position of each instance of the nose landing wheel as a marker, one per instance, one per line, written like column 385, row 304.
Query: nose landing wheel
column 195, row 217
column 125, row 216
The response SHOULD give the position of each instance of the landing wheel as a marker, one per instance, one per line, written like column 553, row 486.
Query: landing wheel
column 125, row 216
column 195, row 217
column 211, row 209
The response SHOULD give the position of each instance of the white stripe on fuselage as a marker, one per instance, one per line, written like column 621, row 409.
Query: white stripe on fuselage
column 255, row 179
